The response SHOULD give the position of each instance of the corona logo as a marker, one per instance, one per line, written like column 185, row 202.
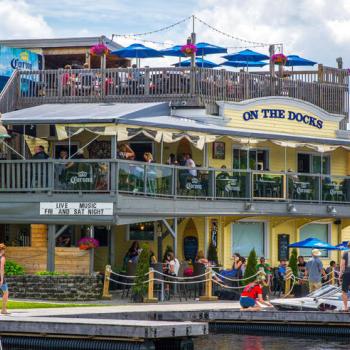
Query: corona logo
column 24, row 56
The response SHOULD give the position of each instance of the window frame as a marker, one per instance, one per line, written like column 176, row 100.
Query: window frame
column 312, row 154
column 249, row 149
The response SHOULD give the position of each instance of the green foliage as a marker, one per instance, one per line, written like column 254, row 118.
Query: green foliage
column 168, row 249
column 140, row 288
column 13, row 269
column 213, row 254
column 50, row 273
column 251, row 268
column 293, row 262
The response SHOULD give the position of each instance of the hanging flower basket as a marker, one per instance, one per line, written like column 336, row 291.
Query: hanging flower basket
column 99, row 50
column 279, row 59
column 87, row 243
column 189, row 49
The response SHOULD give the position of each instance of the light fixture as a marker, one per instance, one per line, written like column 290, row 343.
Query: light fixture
column 291, row 208
column 142, row 227
column 249, row 206
column 331, row 209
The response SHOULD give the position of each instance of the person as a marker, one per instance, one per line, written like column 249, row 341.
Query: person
column 282, row 269
column 172, row 159
column 344, row 276
column 132, row 254
column 191, row 164
column 147, row 157
column 152, row 258
column 3, row 284
column 243, row 262
column 332, row 267
column 314, row 271
column 125, row 152
column 252, row 295
column 263, row 265
column 86, row 80
column 173, row 264
column 301, row 266
column 60, row 171
column 39, row 152
column 200, row 258
column 236, row 270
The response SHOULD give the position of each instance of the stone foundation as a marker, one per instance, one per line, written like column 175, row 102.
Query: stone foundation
column 59, row 288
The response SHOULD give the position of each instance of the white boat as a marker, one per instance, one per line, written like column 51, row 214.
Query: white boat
column 327, row 298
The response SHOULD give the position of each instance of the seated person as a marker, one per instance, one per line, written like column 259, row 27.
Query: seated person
column 224, row 174
column 125, row 152
column 252, row 295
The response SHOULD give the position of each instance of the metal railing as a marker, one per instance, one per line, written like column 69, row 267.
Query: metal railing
column 326, row 88
column 156, row 180
column 10, row 93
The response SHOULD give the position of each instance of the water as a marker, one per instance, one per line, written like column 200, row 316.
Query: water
column 255, row 342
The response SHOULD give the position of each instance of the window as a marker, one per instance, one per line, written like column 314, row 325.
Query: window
column 143, row 231
column 311, row 163
column 101, row 234
column 258, row 159
column 248, row 235
column 319, row 231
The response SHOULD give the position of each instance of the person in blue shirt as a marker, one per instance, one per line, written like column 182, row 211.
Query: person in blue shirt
column 282, row 269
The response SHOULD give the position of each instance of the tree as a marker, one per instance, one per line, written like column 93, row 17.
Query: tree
column 212, row 253
column 293, row 262
column 251, row 268
column 140, row 288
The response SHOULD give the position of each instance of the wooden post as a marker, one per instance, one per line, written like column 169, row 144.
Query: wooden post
column 105, row 294
column 150, row 297
column 332, row 276
column 289, row 274
column 208, row 287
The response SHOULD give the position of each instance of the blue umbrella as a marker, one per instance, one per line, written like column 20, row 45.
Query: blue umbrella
column 247, row 55
column 313, row 243
column 209, row 49
column 343, row 245
column 243, row 64
column 199, row 63
column 295, row 60
column 173, row 51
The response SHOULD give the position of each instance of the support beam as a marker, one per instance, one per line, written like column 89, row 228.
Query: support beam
column 175, row 236
column 165, row 222
column 51, row 245
column 60, row 231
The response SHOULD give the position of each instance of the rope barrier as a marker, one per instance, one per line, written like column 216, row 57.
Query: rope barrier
column 179, row 277
column 239, row 279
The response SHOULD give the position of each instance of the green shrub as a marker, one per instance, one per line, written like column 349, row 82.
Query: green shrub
column 213, row 254
column 50, row 273
column 140, row 288
column 293, row 262
column 251, row 268
column 13, row 269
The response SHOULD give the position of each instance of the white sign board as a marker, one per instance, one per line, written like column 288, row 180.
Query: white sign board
column 76, row 208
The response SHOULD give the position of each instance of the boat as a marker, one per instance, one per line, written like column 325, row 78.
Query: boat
column 327, row 298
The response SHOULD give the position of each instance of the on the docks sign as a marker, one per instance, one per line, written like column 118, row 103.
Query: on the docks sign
column 76, row 208
column 271, row 113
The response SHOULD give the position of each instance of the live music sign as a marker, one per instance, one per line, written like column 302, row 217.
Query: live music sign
column 76, row 208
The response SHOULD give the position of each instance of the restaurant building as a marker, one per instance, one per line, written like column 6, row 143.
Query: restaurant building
column 272, row 162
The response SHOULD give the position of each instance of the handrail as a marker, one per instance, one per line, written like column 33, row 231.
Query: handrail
column 9, row 94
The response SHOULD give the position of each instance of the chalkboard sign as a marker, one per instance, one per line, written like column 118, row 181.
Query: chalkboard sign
column 283, row 250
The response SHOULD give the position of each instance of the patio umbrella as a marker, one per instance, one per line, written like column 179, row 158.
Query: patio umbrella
column 313, row 243
column 174, row 51
column 209, row 49
column 343, row 245
column 246, row 55
column 137, row 51
column 199, row 63
column 295, row 60
column 243, row 64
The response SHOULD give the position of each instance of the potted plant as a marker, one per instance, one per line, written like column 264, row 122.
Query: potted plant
column 87, row 243
column 139, row 290
column 189, row 49
column 251, row 268
column 279, row 58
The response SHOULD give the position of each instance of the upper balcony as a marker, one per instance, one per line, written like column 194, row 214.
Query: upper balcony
column 324, row 87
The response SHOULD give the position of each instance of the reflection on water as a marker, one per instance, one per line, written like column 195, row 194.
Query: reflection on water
column 252, row 342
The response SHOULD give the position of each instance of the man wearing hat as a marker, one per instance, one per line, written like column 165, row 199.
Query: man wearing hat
column 344, row 275
column 314, row 271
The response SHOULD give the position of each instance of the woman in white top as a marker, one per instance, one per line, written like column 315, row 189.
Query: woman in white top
column 173, row 264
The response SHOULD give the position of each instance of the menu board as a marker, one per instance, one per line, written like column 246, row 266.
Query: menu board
column 283, row 250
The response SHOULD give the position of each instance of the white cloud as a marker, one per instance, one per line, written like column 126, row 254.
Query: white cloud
column 18, row 21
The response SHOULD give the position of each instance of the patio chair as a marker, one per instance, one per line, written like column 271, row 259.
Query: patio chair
column 198, row 270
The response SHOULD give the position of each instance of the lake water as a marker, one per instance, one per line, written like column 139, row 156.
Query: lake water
column 255, row 342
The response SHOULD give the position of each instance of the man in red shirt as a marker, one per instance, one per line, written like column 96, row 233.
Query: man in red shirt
column 253, row 293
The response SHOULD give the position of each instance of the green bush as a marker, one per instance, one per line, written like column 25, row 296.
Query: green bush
column 251, row 268
column 50, row 273
column 213, row 254
column 13, row 269
column 293, row 262
column 140, row 288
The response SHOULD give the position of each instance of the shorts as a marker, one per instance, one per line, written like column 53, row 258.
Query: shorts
column 4, row 288
column 346, row 282
column 247, row 302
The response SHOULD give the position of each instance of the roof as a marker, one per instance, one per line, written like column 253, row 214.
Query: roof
column 60, row 42
column 143, row 114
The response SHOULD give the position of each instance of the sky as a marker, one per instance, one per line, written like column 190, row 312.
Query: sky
column 315, row 29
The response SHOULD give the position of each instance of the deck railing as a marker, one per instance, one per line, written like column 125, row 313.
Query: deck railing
column 10, row 93
column 326, row 87
column 156, row 180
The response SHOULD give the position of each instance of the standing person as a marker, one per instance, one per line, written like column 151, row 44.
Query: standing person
column 301, row 266
column 314, row 271
column 191, row 164
column 252, row 295
column 344, row 276
column 39, row 153
column 125, row 152
column 3, row 284
column 263, row 265
column 172, row 159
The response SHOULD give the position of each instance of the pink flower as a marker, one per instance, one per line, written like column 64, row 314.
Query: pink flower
column 189, row 49
column 99, row 50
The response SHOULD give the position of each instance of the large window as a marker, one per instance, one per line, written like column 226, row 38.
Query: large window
column 248, row 235
column 314, row 164
column 255, row 159
column 319, row 231
column 143, row 231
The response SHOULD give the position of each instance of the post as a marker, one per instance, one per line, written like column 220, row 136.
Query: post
column 51, row 245
column 150, row 297
column 147, row 80
column 208, row 287
column 105, row 293
column 332, row 276
column 287, row 287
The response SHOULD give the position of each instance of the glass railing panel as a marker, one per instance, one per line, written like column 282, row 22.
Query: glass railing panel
column 159, row 179
column 194, row 182
column 82, row 176
column 303, row 187
column 335, row 189
column 268, row 185
column 131, row 177
column 232, row 184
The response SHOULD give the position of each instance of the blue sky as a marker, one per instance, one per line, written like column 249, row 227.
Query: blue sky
column 315, row 29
